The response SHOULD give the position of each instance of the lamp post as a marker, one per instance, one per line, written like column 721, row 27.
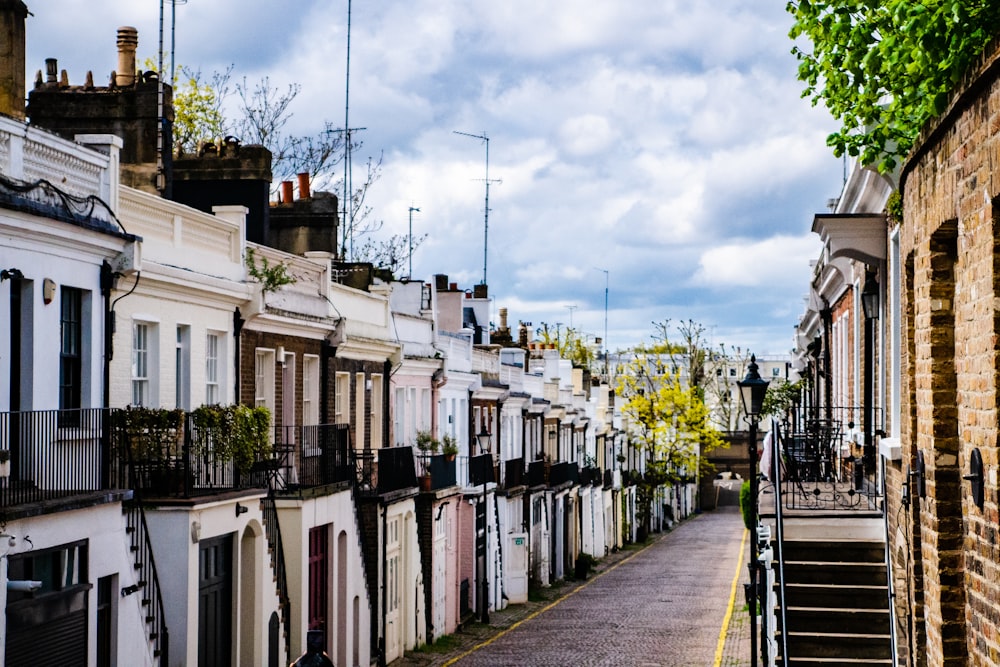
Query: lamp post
column 484, row 448
column 752, row 391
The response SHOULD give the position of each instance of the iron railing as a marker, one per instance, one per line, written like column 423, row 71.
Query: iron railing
column 53, row 454
column 513, row 473
column 384, row 470
column 481, row 469
column 538, row 473
column 442, row 471
column 147, row 581
column 272, row 530
column 564, row 472
column 827, row 465
column 310, row 456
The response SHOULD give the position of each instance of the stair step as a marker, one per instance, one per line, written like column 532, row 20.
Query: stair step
column 835, row 662
column 828, row 596
column 839, row 646
column 847, row 574
column 833, row 551
column 842, row 621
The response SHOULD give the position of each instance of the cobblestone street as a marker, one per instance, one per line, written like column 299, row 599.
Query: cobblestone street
column 665, row 604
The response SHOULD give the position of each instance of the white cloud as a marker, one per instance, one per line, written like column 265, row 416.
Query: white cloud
column 776, row 261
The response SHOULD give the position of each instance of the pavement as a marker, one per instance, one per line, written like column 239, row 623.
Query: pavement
column 663, row 603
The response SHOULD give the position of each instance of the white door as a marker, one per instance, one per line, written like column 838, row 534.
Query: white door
column 517, row 568
column 439, row 574
column 393, row 592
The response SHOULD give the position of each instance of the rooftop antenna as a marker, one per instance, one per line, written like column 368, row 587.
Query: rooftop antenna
column 412, row 209
column 571, row 308
column 173, row 34
column 486, row 210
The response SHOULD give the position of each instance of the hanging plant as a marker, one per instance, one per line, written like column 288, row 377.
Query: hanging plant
column 152, row 434
column 236, row 433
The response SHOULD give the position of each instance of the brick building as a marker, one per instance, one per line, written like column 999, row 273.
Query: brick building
column 944, row 534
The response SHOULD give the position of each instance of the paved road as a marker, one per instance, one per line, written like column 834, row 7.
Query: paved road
column 665, row 606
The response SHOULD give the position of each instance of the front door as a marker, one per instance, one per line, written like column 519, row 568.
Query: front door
column 215, row 602
column 393, row 591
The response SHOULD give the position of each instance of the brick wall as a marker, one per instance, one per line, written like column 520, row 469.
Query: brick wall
column 949, row 237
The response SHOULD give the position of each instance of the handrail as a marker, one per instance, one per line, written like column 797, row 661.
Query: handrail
column 779, row 522
column 272, row 530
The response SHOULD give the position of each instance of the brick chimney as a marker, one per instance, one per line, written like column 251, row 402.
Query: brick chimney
column 128, row 40
column 12, row 16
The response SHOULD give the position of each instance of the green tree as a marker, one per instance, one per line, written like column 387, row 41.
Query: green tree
column 667, row 421
column 884, row 67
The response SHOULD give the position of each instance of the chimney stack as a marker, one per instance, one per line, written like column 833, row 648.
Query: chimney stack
column 12, row 16
column 128, row 40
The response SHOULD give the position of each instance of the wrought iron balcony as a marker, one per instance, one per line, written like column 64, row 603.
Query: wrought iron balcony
column 513, row 473
column 52, row 454
column 563, row 472
column 310, row 456
column 384, row 470
column 538, row 473
column 481, row 469
column 442, row 470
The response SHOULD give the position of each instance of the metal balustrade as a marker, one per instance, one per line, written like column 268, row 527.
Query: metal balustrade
column 53, row 454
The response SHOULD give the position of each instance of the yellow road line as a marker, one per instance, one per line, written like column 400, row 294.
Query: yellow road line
column 732, row 601
column 543, row 609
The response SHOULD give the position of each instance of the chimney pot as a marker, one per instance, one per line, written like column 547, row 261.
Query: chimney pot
column 286, row 192
column 128, row 40
column 503, row 318
column 304, row 185
column 453, row 287
column 51, row 67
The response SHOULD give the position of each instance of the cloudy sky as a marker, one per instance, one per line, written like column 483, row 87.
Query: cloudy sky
column 660, row 148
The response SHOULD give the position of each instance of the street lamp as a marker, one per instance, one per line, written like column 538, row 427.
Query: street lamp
column 484, row 448
column 752, row 391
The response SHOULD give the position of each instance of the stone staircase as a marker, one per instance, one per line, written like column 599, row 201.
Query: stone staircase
column 837, row 601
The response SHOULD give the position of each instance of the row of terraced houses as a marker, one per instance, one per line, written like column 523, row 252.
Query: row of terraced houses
column 132, row 533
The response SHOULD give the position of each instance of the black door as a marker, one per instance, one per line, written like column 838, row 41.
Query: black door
column 215, row 602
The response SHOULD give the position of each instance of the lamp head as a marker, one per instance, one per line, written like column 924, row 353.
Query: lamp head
column 752, row 390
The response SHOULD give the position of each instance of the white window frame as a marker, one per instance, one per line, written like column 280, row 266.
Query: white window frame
column 182, row 367
column 215, row 346
column 376, row 411
column 359, row 410
column 342, row 398
column 145, row 363
column 264, row 365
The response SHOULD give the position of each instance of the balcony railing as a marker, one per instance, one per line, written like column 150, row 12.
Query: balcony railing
column 442, row 471
column 393, row 470
column 310, row 456
column 563, row 472
column 538, row 473
column 481, row 469
column 513, row 473
column 53, row 454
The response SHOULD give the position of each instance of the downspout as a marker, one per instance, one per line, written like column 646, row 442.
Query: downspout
column 107, row 283
column 238, row 323
column 385, row 592
column 326, row 353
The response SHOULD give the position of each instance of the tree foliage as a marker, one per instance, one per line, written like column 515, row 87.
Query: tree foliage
column 571, row 343
column 667, row 421
column 884, row 67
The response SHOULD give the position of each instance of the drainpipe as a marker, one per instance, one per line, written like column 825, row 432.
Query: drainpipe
column 107, row 283
column 385, row 592
column 238, row 323
column 326, row 352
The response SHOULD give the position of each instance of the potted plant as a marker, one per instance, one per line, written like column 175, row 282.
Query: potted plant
column 428, row 445
column 449, row 447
